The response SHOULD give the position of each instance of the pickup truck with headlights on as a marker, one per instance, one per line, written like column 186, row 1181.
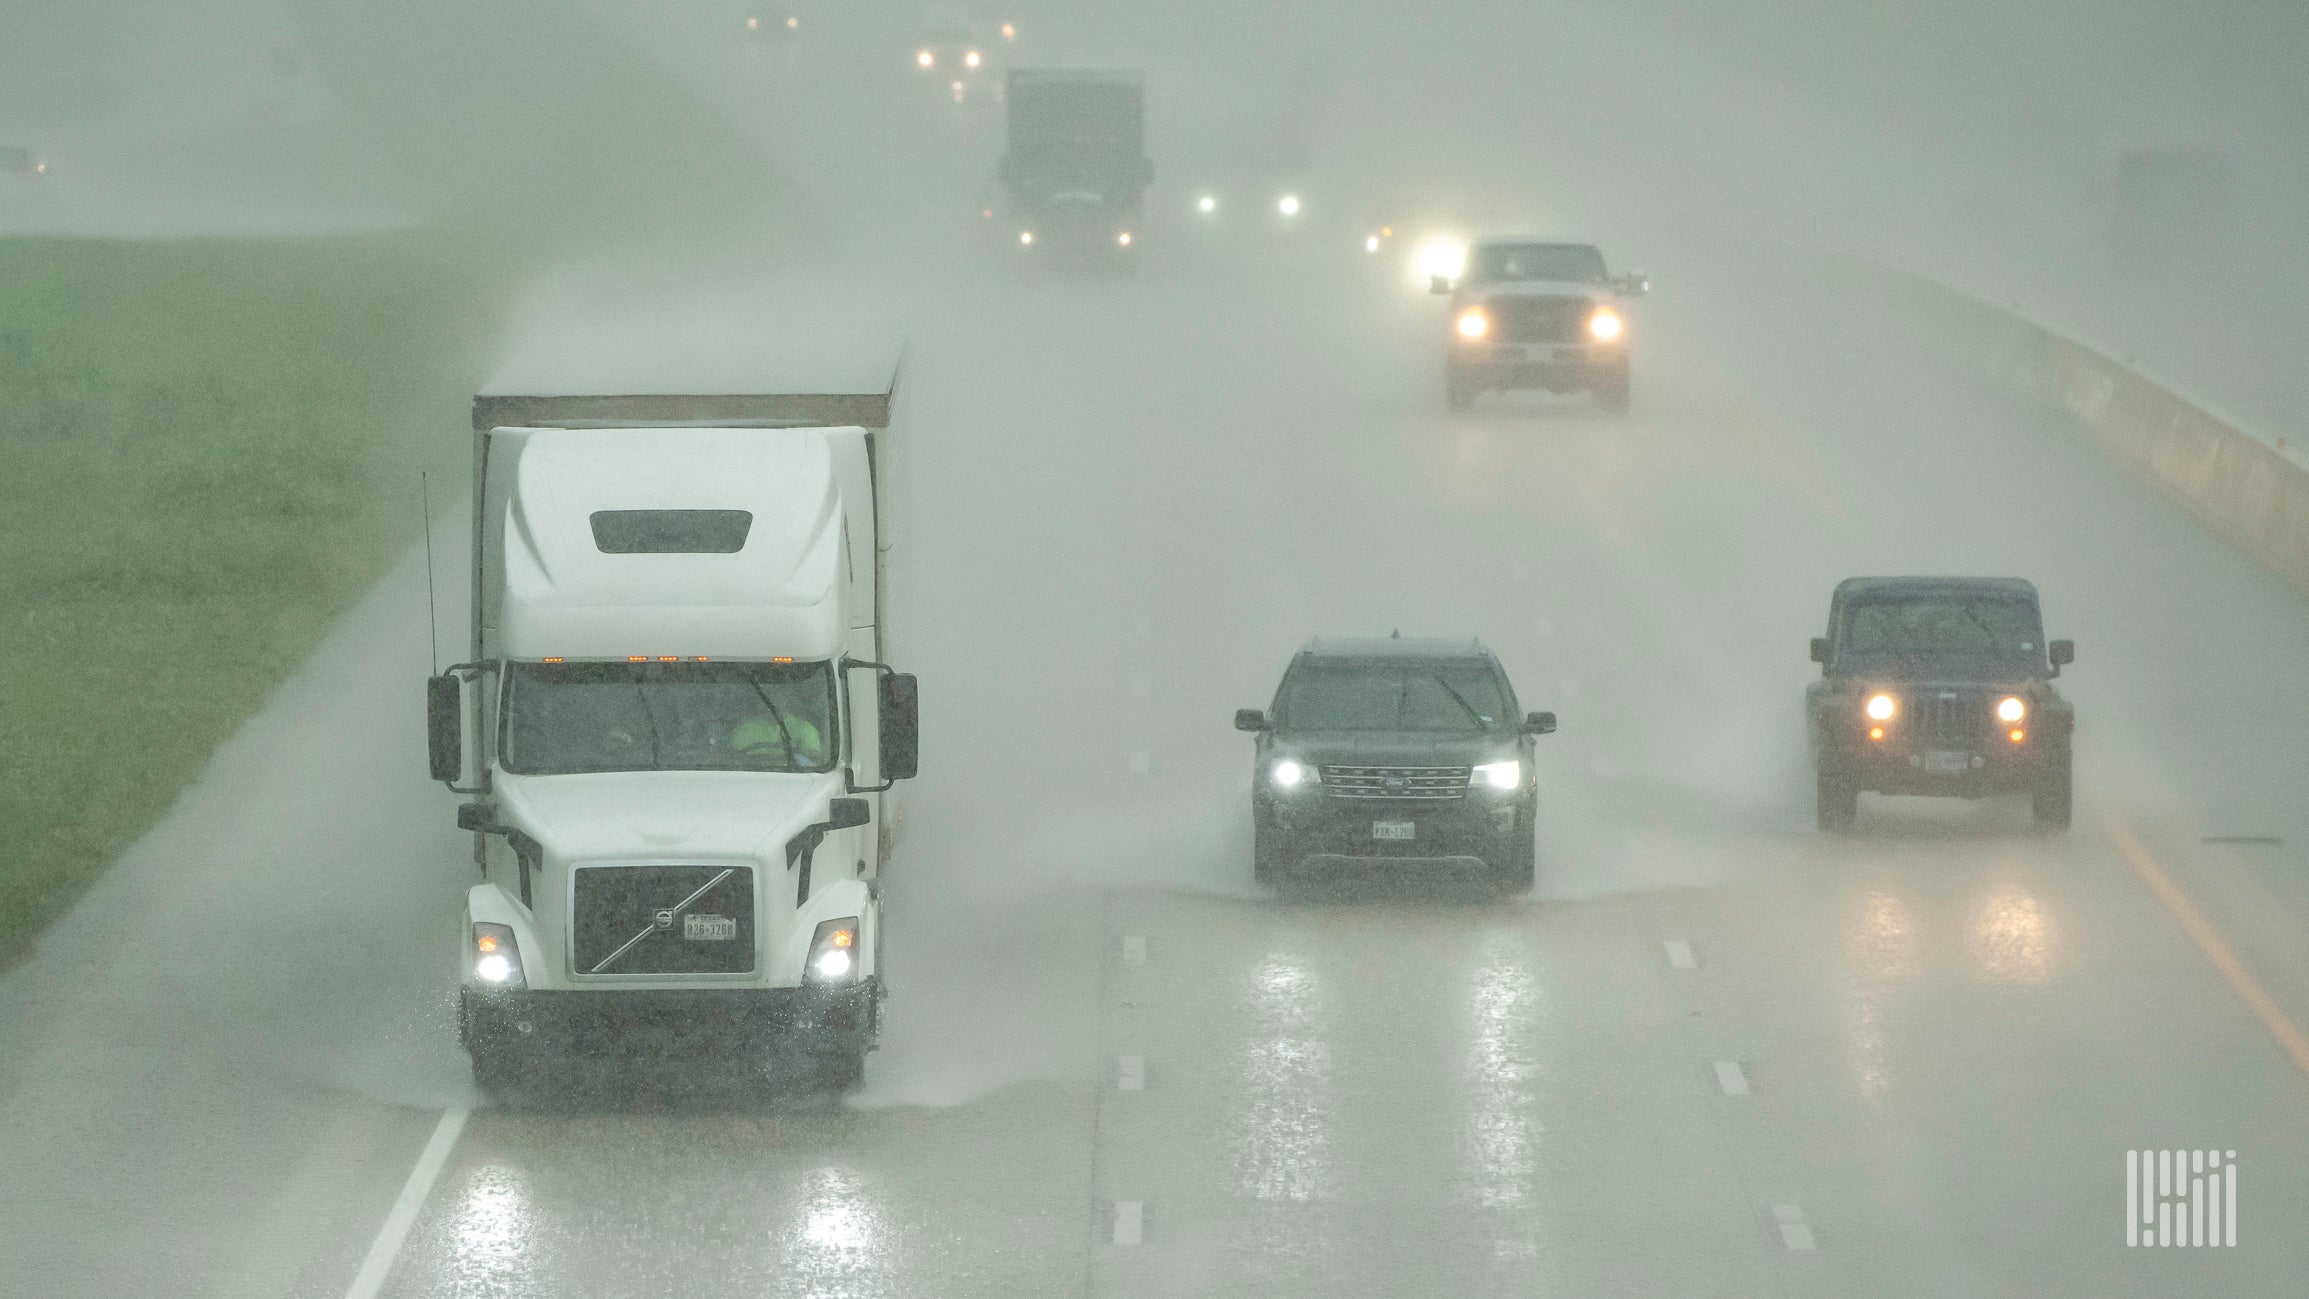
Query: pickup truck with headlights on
column 1394, row 753
column 1526, row 313
column 1939, row 686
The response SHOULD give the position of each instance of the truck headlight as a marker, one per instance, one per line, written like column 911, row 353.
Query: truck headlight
column 1290, row 773
column 1881, row 707
column 1442, row 259
column 1473, row 324
column 1605, row 325
column 496, row 957
column 925, row 59
column 833, row 953
column 2010, row 710
column 1498, row 775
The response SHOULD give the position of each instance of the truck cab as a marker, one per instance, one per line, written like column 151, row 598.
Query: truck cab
column 1075, row 170
column 1529, row 313
column 1939, row 686
column 678, row 731
column 1401, row 754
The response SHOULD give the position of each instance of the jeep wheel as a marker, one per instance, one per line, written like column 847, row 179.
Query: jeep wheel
column 1611, row 390
column 1839, row 802
column 1458, row 390
column 2050, row 801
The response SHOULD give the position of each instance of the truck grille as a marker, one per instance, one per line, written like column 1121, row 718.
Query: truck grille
column 1395, row 782
column 1955, row 721
column 612, row 905
column 1541, row 320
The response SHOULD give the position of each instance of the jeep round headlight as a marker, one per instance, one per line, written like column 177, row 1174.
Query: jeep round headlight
column 1881, row 707
column 2010, row 709
column 1473, row 323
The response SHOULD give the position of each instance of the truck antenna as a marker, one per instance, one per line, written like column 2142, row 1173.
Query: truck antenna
column 432, row 617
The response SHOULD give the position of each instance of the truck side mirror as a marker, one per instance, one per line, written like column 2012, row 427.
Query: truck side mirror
column 1634, row 284
column 445, row 727
column 1820, row 650
column 847, row 813
column 1250, row 719
column 1442, row 284
column 900, row 727
column 2063, row 653
column 479, row 818
column 1539, row 723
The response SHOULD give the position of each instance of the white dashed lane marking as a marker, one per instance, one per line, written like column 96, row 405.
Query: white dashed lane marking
column 1795, row 1233
column 1134, row 949
column 1731, row 1078
column 1680, row 955
column 1129, row 1221
column 1130, row 1073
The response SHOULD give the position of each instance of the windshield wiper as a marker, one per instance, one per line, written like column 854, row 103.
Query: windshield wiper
column 1456, row 698
column 649, row 716
column 785, row 736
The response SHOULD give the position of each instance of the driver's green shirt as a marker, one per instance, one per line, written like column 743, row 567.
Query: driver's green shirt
column 760, row 735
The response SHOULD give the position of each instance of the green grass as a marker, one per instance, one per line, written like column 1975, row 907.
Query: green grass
column 208, row 450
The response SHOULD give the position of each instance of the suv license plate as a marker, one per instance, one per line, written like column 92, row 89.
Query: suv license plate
column 709, row 929
column 1393, row 829
column 1945, row 763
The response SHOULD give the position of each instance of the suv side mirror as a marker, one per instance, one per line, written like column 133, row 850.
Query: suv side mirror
column 1820, row 650
column 1250, row 719
column 1442, row 284
column 1634, row 284
column 1539, row 723
column 2063, row 653
column 847, row 813
column 445, row 727
column 900, row 726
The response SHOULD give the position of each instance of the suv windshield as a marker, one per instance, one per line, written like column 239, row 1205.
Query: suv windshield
column 563, row 718
column 1407, row 695
column 1573, row 263
column 1954, row 625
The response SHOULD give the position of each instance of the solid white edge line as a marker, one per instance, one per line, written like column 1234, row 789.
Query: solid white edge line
column 1129, row 1222
column 1731, row 1078
column 1680, row 954
column 390, row 1237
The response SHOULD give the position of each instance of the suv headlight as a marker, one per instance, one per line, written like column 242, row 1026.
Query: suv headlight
column 496, row 957
column 1497, row 775
column 833, row 953
column 1290, row 773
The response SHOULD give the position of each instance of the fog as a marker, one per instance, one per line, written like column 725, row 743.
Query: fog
column 1123, row 502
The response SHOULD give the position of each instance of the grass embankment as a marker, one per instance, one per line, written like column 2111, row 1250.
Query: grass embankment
column 208, row 450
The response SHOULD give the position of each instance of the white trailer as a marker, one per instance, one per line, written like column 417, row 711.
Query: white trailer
column 678, row 728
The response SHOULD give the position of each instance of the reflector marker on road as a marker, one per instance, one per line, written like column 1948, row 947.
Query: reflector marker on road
column 1130, row 1073
column 1134, row 949
column 1730, row 1077
column 1795, row 1233
column 1129, row 1222
column 1680, row 955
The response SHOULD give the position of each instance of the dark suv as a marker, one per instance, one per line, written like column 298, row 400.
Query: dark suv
column 1394, row 751
column 1939, row 685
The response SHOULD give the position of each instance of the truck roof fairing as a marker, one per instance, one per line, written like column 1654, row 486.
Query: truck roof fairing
column 780, row 593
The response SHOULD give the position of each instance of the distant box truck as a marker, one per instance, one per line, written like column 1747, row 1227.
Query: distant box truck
column 1075, row 170
column 678, row 729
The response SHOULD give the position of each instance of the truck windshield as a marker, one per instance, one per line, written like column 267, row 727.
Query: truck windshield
column 1570, row 263
column 564, row 718
column 1394, row 696
column 1943, row 625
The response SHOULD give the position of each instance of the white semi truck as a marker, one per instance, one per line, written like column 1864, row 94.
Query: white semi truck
column 678, row 729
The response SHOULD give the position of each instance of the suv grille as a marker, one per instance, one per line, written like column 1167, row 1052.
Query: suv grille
column 613, row 904
column 1541, row 320
column 1395, row 782
column 1957, row 721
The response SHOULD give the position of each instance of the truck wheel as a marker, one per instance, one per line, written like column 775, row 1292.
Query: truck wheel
column 502, row 1076
column 2052, row 799
column 1458, row 390
column 1517, row 869
column 841, row 1068
column 1611, row 390
column 1839, row 802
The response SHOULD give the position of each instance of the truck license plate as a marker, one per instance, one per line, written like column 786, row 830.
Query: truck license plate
column 709, row 929
column 1393, row 829
column 1945, row 763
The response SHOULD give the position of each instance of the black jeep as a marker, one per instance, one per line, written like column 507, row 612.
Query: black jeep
column 1939, row 685
column 1394, row 752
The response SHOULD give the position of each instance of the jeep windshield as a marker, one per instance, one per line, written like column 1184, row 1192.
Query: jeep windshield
column 1568, row 263
column 1943, row 626
column 565, row 718
column 1409, row 695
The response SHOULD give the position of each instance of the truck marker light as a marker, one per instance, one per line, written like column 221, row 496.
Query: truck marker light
column 637, row 658
column 554, row 659
column 669, row 658
column 485, row 943
column 783, row 658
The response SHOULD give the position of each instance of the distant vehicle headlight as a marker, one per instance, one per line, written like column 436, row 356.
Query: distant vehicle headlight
column 1026, row 238
column 2010, row 709
column 1498, row 775
column 1881, row 707
column 1473, row 324
column 1442, row 259
column 1123, row 239
column 1206, row 205
column 1290, row 773
column 833, row 952
column 1606, row 325
column 1371, row 244
column 1288, row 205
column 496, row 959
column 925, row 59
column 971, row 60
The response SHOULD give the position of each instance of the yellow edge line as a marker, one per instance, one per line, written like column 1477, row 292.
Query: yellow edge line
column 2193, row 922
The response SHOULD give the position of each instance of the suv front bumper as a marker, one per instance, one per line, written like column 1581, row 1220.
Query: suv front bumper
column 1470, row 831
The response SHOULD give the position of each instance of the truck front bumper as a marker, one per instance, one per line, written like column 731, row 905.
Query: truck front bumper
column 1555, row 368
column 674, row 1021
